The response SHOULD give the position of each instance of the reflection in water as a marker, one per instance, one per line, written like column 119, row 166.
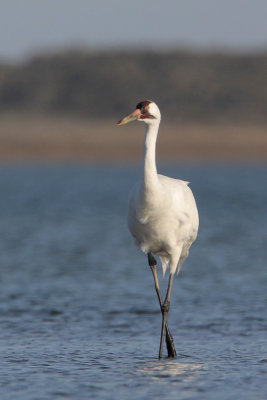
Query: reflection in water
column 161, row 369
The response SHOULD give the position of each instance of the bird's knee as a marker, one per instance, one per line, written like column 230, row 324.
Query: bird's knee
column 151, row 260
column 165, row 307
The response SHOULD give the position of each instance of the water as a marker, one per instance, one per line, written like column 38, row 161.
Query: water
column 79, row 315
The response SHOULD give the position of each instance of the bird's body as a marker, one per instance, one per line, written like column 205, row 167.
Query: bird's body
column 163, row 216
column 165, row 222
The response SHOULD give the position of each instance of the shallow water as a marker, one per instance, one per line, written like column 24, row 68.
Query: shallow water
column 79, row 315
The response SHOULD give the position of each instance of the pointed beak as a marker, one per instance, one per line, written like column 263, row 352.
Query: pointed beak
column 132, row 117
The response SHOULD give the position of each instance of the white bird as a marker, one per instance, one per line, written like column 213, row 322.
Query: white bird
column 162, row 215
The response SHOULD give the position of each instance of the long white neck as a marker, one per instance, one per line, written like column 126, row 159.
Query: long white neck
column 150, row 168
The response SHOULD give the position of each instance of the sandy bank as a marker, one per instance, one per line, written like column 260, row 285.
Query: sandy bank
column 40, row 138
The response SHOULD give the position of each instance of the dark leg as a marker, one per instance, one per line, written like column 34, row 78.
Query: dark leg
column 165, row 309
column 169, row 339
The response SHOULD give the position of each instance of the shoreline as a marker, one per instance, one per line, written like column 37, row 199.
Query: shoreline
column 38, row 138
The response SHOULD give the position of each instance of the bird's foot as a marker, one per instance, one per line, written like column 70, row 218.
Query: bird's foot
column 170, row 345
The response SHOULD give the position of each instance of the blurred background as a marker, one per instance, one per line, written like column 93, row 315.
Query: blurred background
column 78, row 310
column 69, row 71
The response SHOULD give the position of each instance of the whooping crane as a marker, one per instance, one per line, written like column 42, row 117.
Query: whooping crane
column 162, row 215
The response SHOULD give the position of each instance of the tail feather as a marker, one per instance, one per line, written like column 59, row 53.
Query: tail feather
column 164, row 263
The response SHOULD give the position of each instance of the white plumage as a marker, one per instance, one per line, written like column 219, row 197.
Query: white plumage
column 164, row 223
column 163, row 216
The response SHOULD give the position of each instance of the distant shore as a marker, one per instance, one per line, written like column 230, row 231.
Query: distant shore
column 62, row 139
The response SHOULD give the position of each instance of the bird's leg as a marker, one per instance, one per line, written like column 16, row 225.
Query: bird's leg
column 165, row 309
column 169, row 339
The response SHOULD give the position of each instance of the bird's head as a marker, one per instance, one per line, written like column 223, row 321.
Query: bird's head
column 146, row 111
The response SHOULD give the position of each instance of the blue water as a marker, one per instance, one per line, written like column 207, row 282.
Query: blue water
column 79, row 317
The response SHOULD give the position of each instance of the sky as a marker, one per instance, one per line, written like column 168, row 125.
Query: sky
column 29, row 27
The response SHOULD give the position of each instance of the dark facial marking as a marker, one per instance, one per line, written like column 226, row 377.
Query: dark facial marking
column 146, row 115
column 143, row 106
